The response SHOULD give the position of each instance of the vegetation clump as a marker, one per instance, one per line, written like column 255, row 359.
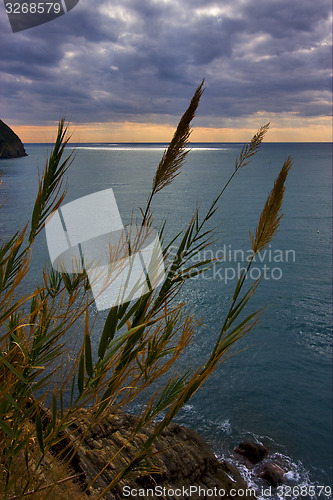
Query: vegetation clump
column 42, row 394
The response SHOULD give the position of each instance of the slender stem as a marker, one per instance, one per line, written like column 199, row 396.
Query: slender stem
column 231, row 309
column 218, row 197
column 147, row 208
column 61, row 481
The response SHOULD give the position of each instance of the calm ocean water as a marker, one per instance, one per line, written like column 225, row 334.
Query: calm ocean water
column 279, row 390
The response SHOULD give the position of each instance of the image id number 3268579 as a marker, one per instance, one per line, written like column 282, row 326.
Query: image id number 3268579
column 33, row 8
column 305, row 491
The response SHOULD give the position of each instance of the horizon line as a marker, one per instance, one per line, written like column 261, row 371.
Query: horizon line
column 116, row 143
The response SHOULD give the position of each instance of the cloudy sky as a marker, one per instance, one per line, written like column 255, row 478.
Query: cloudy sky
column 126, row 70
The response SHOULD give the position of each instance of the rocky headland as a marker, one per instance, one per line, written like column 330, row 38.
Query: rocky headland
column 10, row 144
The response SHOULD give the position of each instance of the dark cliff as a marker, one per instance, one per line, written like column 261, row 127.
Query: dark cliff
column 10, row 144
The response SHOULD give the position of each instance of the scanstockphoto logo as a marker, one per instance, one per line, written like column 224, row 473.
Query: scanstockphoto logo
column 87, row 235
column 24, row 15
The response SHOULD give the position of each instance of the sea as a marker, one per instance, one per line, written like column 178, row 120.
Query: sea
column 276, row 387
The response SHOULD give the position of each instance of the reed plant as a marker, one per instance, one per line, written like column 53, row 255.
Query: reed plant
column 43, row 391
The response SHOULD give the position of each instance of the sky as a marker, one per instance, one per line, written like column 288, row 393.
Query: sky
column 125, row 71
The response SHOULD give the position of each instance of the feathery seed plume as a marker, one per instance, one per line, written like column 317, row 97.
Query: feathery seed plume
column 173, row 158
column 270, row 216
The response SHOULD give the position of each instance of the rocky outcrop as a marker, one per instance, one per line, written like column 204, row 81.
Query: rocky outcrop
column 253, row 452
column 179, row 458
column 273, row 474
column 257, row 458
column 10, row 144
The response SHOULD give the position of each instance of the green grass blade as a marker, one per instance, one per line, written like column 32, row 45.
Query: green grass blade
column 39, row 432
column 7, row 429
column 88, row 355
column 80, row 375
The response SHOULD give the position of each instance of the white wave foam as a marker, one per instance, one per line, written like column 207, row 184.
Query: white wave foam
column 188, row 407
column 297, row 477
column 225, row 426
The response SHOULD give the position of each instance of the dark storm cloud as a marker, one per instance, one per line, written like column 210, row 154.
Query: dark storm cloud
column 114, row 61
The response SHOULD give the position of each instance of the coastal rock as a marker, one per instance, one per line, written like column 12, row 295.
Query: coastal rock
column 179, row 458
column 253, row 452
column 10, row 144
column 273, row 474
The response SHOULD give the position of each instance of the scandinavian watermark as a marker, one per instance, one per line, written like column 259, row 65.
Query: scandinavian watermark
column 26, row 14
column 122, row 264
column 228, row 264
column 87, row 235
